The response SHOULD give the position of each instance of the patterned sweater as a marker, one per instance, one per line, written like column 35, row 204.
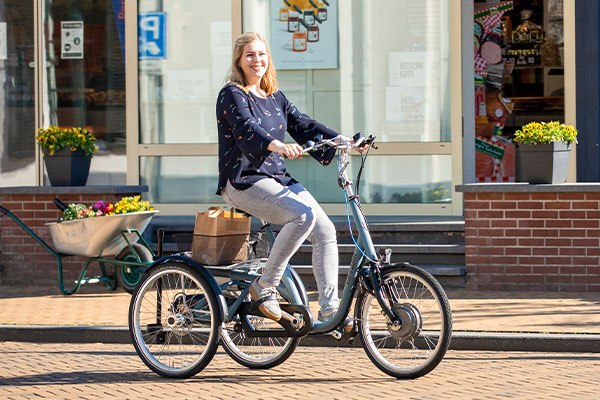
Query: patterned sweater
column 247, row 124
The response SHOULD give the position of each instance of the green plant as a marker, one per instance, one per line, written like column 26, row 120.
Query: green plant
column 546, row 132
column 54, row 138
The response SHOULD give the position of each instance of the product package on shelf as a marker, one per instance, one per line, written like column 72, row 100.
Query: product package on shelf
column 494, row 159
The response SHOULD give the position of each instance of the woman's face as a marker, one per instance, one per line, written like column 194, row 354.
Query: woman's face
column 254, row 61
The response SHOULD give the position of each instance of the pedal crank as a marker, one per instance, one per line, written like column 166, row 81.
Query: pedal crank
column 296, row 321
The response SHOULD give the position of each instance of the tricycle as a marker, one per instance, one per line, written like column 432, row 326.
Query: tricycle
column 110, row 239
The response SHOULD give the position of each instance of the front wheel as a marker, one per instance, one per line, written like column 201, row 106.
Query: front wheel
column 417, row 345
column 129, row 276
column 174, row 320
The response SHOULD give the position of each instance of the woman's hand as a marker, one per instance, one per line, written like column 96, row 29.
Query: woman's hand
column 290, row 150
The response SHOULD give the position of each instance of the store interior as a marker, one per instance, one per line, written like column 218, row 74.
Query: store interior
column 519, row 77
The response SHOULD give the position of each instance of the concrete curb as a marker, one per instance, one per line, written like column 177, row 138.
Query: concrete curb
column 492, row 341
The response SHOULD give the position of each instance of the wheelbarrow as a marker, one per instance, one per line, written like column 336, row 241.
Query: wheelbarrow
column 111, row 239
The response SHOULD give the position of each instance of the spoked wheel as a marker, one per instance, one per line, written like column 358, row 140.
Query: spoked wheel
column 129, row 277
column 255, row 353
column 174, row 321
column 417, row 345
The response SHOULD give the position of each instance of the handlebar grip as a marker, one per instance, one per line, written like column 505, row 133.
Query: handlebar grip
column 308, row 144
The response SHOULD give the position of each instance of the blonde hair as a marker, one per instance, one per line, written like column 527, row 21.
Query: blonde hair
column 236, row 76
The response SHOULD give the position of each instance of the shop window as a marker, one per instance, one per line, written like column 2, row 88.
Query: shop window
column 171, row 180
column 385, row 71
column 182, row 67
column 17, row 93
column 519, row 77
column 84, row 44
column 386, row 180
column 534, row 32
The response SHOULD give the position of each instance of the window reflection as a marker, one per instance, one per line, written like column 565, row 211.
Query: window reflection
column 85, row 78
column 178, row 92
column 180, row 179
column 385, row 179
column 17, row 108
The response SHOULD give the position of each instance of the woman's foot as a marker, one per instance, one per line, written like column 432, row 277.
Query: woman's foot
column 265, row 300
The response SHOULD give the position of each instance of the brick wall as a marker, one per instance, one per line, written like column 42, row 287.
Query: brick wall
column 22, row 260
column 546, row 240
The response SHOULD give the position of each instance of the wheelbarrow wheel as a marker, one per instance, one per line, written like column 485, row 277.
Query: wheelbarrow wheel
column 129, row 277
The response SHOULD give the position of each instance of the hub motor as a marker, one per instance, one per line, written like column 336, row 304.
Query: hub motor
column 411, row 322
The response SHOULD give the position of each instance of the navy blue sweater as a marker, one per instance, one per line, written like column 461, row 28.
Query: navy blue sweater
column 247, row 124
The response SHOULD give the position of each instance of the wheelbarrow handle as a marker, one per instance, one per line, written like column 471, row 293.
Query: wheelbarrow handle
column 60, row 204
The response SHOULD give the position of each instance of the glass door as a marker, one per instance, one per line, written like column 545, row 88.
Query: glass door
column 83, row 83
column 17, row 93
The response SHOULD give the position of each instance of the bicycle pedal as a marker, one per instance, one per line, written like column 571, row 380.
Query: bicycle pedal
column 336, row 334
column 288, row 317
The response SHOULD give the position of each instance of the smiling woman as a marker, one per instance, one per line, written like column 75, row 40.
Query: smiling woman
column 253, row 117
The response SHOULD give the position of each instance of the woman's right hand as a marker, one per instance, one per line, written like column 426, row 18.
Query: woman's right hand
column 290, row 150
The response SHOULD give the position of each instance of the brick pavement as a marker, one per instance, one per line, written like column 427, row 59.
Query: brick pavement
column 94, row 371
column 545, row 312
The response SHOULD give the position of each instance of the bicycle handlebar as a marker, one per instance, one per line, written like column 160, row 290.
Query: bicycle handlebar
column 359, row 141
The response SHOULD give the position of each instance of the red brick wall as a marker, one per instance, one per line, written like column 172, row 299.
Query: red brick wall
column 547, row 241
column 22, row 260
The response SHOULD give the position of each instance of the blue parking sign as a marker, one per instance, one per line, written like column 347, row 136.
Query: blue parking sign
column 152, row 35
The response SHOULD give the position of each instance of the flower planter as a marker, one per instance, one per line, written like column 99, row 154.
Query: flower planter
column 545, row 163
column 99, row 235
column 67, row 168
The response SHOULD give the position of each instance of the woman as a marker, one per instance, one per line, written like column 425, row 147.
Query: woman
column 252, row 118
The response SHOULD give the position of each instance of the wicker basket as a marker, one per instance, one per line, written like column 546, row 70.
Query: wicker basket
column 219, row 250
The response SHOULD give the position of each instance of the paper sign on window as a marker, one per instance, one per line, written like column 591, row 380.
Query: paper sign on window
column 71, row 35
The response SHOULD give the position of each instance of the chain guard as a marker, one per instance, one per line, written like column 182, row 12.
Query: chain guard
column 247, row 311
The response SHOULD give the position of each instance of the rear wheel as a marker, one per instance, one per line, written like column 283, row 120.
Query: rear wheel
column 130, row 276
column 416, row 345
column 255, row 353
column 174, row 321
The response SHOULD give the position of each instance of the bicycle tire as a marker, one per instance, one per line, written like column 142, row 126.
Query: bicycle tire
column 127, row 277
column 186, row 337
column 416, row 347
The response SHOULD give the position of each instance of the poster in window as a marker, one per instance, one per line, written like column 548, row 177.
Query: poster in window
column 71, row 39
column 411, row 94
column 304, row 34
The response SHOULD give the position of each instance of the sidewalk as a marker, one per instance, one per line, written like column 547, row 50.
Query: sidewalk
column 491, row 317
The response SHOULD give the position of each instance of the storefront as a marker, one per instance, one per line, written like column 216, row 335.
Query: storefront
column 394, row 68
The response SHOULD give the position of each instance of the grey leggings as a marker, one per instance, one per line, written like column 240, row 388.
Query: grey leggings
column 302, row 218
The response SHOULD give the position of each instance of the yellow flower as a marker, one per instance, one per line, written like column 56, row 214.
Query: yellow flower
column 546, row 132
column 75, row 138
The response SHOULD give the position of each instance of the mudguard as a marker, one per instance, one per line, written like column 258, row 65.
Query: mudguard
column 200, row 269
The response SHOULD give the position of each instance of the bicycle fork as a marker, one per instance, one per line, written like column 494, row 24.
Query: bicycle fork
column 384, row 294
